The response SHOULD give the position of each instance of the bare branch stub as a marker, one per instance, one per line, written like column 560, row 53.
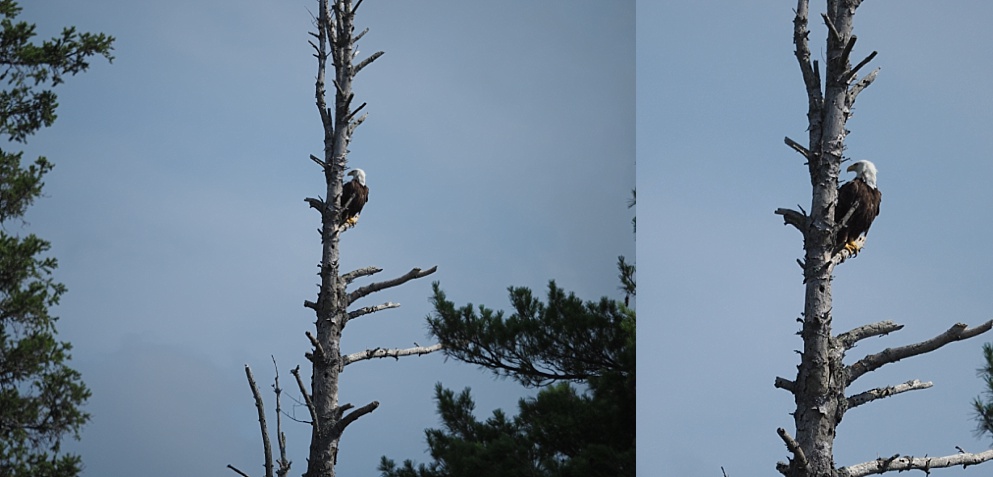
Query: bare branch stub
column 798, row 148
column 783, row 383
column 794, row 218
column 237, row 471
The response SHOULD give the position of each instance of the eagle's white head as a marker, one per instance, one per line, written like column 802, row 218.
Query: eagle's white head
column 360, row 175
column 866, row 171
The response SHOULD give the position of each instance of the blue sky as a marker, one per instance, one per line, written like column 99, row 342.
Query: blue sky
column 499, row 146
column 718, row 89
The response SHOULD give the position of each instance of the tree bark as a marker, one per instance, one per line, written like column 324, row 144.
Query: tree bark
column 334, row 30
column 819, row 387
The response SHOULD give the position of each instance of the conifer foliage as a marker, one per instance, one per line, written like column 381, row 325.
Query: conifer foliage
column 562, row 431
column 40, row 395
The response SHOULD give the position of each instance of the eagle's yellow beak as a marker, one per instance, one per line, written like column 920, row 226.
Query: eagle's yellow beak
column 851, row 168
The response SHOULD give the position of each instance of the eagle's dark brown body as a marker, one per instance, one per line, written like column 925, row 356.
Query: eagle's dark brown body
column 354, row 195
column 867, row 199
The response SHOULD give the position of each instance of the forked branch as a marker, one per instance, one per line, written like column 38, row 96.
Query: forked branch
column 352, row 416
column 957, row 332
column 375, row 287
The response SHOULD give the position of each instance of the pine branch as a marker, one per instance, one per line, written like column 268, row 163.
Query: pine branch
column 900, row 464
column 375, row 287
column 957, row 332
column 879, row 393
column 388, row 353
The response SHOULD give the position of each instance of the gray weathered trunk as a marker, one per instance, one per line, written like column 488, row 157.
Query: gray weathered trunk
column 331, row 303
column 820, row 384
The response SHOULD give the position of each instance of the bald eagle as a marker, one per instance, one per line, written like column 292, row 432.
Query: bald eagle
column 354, row 195
column 860, row 192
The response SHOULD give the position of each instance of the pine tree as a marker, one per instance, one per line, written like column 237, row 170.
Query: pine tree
column 40, row 395
column 559, row 432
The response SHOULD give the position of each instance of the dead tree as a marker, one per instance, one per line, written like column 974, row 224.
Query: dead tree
column 822, row 377
column 335, row 40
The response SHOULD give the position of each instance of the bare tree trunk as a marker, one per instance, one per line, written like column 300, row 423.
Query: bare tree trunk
column 335, row 28
column 819, row 382
column 822, row 377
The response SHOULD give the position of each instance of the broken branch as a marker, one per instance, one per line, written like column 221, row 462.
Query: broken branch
column 879, row 393
column 265, row 433
column 797, row 147
column 306, row 397
column 794, row 218
column 352, row 416
column 799, row 458
column 882, row 328
column 371, row 309
column 372, row 288
column 362, row 272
